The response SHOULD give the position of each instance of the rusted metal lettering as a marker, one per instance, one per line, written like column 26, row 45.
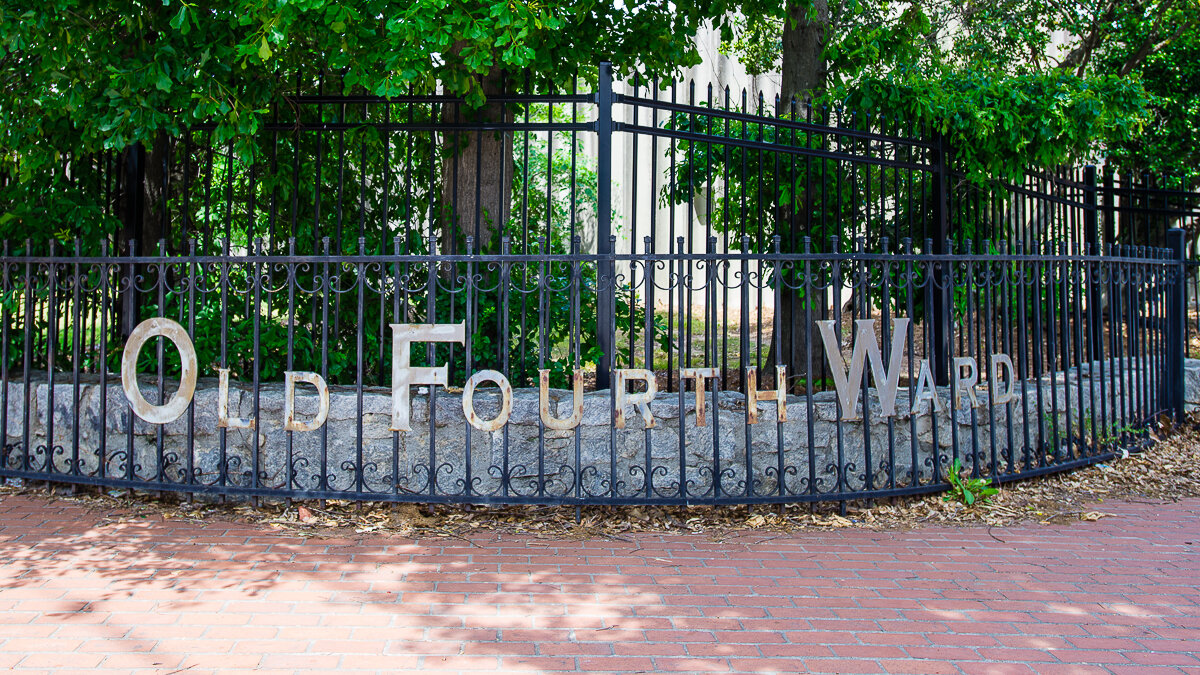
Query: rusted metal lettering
column 1005, row 389
column 404, row 375
column 166, row 328
column 290, row 423
column 550, row 420
column 641, row 399
column 223, row 418
column 468, row 400
column 753, row 395
column 965, row 384
column 926, row 389
column 848, row 382
column 699, row 375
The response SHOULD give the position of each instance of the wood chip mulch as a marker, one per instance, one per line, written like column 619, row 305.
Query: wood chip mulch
column 1166, row 471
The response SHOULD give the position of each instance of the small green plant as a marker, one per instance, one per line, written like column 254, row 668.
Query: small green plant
column 1086, row 431
column 1109, row 434
column 967, row 490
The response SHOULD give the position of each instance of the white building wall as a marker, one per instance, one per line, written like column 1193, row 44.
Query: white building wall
column 640, row 174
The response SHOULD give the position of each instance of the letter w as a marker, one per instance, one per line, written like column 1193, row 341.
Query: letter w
column 866, row 346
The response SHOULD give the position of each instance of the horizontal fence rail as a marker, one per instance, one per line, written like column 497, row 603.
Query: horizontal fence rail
column 645, row 293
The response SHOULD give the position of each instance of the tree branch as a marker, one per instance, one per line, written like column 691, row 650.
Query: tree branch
column 1079, row 57
column 1149, row 47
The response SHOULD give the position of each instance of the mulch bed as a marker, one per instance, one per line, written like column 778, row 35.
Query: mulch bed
column 1167, row 471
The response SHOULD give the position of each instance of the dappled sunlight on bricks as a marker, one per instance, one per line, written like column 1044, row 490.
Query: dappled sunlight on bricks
column 164, row 595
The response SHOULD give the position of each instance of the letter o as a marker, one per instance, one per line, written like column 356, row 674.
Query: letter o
column 159, row 327
column 468, row 402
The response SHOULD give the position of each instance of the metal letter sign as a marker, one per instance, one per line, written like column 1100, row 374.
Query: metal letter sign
column 847, row 380
column 160, row 327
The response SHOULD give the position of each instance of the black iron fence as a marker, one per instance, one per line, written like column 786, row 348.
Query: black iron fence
column 1032, row 388
column 405, row 299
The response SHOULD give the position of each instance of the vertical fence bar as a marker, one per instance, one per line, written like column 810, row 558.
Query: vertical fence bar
column 131, row 282
column 576, row 348
column 1115, row 343
column 396, row 277
column 1176, row 323
column 359, row 349
column 470, row 319
column 908, row 281
column 326, row 289
column 76, row 336
column 941, row 314
column 105, row 305
column 51, row 345
column 604, row 292
column 256, row 272
column 1091, row 232
column 808, row 366
column 1096, row 269
column 190, row 466
column 27, row 357
column 160, row 299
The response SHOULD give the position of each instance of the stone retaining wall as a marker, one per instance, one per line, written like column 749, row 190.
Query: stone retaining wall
column 591, row 451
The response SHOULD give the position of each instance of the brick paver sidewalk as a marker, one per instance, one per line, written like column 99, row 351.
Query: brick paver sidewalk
column 1119, row 595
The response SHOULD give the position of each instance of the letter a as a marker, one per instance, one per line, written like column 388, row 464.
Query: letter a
column 926, row 390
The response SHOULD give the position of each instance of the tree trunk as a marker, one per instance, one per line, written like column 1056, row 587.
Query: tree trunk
column 804, row 72
column 804, row 68
column 140, row 203
column 154, row 225
column 477, row 172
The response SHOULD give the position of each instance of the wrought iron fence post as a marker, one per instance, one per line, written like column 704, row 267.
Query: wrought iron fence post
column 1176, row 322
column 1091, row 233
column 605, row 311
column 942, row 293
column 1110, row 206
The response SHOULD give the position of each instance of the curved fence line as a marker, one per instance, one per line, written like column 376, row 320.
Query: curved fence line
column 402, row 378
column 417, row 299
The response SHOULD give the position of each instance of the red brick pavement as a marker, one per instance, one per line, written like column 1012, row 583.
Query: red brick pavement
column 1115, row 596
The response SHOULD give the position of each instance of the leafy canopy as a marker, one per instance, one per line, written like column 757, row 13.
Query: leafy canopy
column 92, row 74
column 994, row 77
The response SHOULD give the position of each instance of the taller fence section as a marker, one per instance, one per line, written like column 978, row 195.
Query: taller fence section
column 714, row 178
column 1143, row 209
column 639, row 294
